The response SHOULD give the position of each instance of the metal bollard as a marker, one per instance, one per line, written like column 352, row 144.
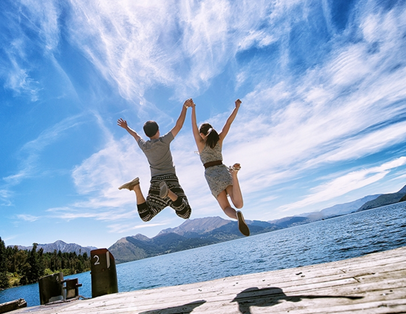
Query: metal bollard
column 103, row 271
column 50, row 288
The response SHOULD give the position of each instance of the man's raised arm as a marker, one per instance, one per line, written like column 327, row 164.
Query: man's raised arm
column 123, row 124
column 179, row 123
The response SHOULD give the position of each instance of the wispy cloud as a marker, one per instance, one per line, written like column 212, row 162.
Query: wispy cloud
column 136, row 45
column 5, row 196
column 27, row 217
column 130, row 44
column 350, row 106
column 18, row 49
column 341, row 102
column 77, row 211
column 344, row 184
column 18, row 78
column 127, row 228
column 31, row 151
column 345, row 108
column 98, row 177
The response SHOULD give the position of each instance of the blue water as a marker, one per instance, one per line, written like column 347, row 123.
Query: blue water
column 329, row 240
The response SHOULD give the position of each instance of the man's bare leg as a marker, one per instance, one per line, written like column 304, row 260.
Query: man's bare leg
column 134, row 185
column 166, row 192
column 138, row 194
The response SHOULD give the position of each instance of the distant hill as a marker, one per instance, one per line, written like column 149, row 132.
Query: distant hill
column 201, row 225
column 334, row 211
column 61, row 246
column 347, row 208
column 190, row 234
column 291, row 221
column 384, row 199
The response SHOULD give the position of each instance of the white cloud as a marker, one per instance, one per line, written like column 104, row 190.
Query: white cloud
column 127, row 228
column 291, row 126
column 26, row 217
column 85, row 211
column 137, row 45
column 17, row 65
column 344, row 184
column 344, row 109
column 5, row 196
column 20, row 81
column 339, row 110
column 130, row 43
column 31, row 151
column 43, row 17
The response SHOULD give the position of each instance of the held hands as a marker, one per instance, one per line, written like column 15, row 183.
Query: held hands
column 122, row 123
column 189, row 103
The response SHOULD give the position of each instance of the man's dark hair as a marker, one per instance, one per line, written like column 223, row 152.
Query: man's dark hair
column 150, row 128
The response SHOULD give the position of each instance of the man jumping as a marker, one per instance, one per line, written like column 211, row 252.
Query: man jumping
column 165, row 189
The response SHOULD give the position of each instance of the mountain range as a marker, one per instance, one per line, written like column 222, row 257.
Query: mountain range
column 210, row 230
column 61, row 246
column 385, row 199
column 205, row 231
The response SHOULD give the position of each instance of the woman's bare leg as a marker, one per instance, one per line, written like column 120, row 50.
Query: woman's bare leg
column 232, row 213
column 225, row 205
column 235, row 191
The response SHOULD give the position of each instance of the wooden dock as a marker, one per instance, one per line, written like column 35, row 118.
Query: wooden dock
column 374, row 283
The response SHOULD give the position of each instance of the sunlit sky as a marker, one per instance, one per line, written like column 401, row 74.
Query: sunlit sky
column 322, row 120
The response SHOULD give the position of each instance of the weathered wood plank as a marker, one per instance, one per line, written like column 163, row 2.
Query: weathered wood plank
column 12, row 305
column 374, row 283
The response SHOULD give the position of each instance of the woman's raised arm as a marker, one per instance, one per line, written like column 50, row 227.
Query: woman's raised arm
column 230, row 120
column 196, row 134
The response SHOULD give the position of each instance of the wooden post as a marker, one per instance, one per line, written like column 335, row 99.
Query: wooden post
column 103, row 271
column 50, row 288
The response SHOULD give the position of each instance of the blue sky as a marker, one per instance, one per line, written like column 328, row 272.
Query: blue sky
column 322, row 120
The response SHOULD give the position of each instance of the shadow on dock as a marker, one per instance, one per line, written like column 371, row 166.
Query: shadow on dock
column 272, row 296
column 184, row 309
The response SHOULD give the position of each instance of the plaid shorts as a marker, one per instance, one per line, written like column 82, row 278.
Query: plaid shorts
column 154, row 204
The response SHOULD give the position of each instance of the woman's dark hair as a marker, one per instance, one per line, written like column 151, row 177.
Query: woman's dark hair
column 212, row 137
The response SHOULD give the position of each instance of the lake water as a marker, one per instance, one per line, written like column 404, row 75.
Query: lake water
column 329, row 240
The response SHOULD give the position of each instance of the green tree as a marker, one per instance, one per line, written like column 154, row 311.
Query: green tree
column 3, row 265
column 25, row 267
column 33, row 269
column 20, row 258
column 12, row 255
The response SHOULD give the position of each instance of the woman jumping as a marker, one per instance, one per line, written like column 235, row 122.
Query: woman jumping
column 222, row 181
